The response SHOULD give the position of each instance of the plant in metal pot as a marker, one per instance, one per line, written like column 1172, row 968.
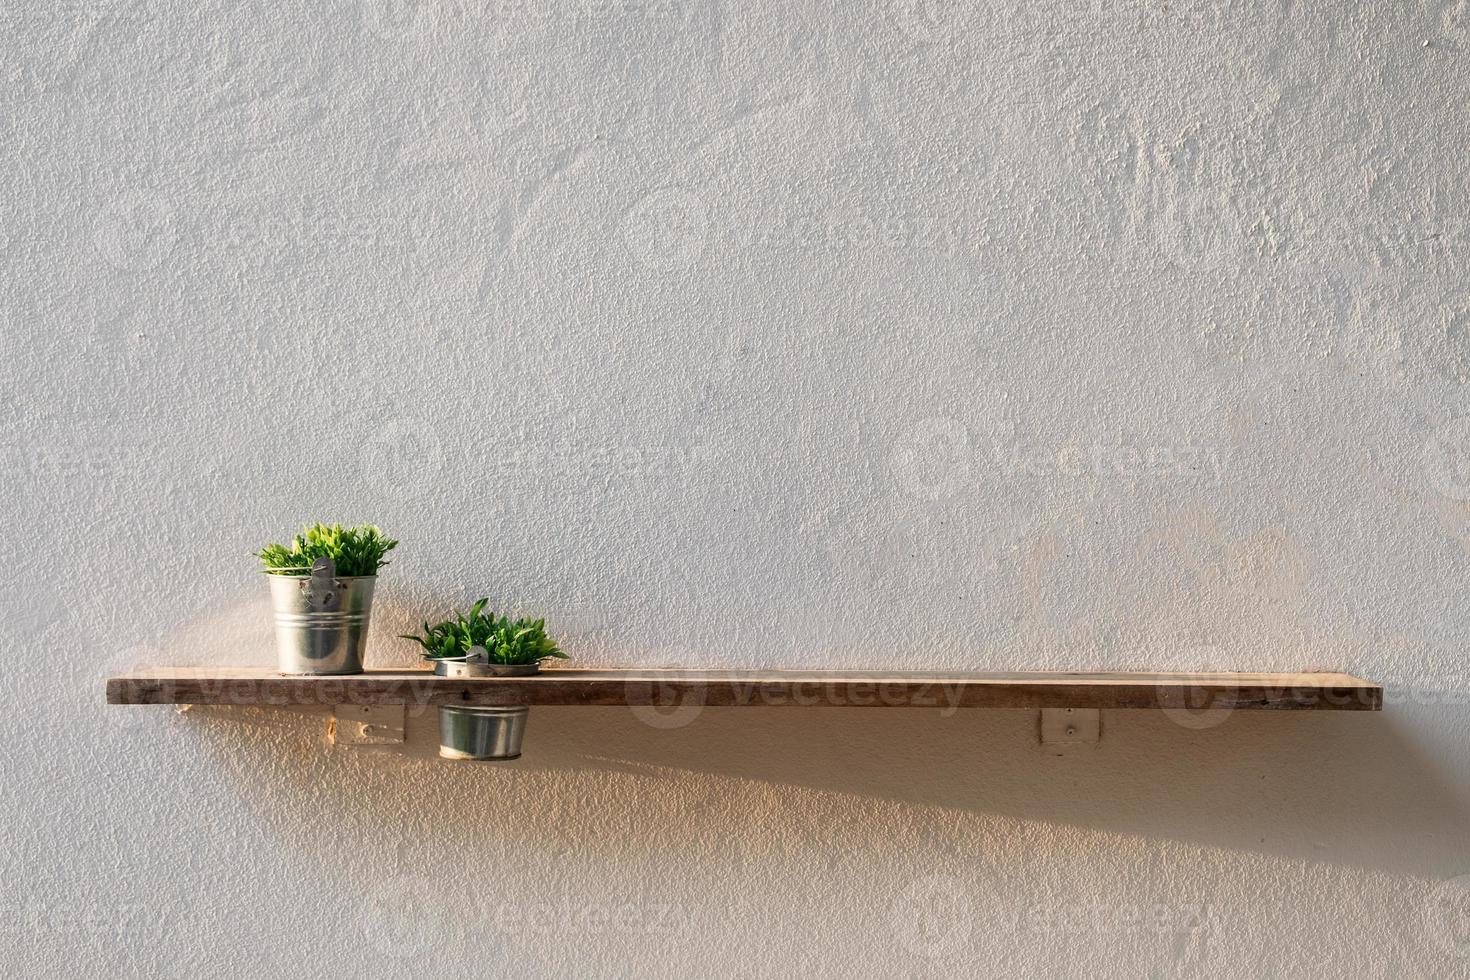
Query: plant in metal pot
column 483, row 644
column 322, row 594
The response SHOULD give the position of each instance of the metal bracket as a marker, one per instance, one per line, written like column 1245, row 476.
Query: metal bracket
column 368, row 724
column 1063, row 728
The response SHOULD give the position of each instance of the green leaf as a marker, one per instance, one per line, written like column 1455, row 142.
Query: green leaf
column 522, row 641
column 355, row 551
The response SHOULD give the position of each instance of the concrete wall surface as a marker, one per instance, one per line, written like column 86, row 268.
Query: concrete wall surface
column 924, row 334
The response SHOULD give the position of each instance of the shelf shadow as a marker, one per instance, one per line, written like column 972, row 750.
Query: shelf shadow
column 1339, row 787
column 1343, row 788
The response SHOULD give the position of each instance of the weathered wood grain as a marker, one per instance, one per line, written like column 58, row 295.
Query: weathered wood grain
column 755, row 688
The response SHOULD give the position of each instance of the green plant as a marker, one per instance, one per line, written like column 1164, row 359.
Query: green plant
column 353, row 550
column 506, row 642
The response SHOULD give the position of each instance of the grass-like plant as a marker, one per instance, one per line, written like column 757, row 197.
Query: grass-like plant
column 353, row 550
column 506, row 642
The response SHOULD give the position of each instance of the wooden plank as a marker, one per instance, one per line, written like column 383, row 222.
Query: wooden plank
column 755, row 688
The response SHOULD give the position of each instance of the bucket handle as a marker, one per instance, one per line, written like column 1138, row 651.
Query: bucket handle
column 476, row 655
column 322, row 592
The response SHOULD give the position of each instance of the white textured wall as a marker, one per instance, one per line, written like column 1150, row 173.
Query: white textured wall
column 1095, row 334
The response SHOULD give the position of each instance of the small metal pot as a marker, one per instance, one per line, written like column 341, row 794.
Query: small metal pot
column 482, row 734
column 478, row 668
column 321, row 620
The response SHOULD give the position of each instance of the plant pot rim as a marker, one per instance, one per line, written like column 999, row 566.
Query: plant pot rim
column 487, row 710
column 308, row 574
column 481, row 669
column 319, row 673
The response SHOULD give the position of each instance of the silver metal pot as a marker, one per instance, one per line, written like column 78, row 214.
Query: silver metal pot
column 478, row 668
column 483, row 734
column 321, row 620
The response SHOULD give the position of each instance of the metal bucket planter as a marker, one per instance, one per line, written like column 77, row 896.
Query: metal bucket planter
column 321, row 620
column 482, row 734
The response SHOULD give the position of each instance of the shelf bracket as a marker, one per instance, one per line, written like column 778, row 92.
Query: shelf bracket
column 1063, row 728
column 368, row 724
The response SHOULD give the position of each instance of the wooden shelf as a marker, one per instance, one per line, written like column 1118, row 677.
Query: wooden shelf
column 753, row 688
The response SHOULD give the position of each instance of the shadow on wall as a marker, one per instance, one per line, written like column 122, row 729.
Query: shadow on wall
column 1348, row 788
column 1337, row 788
